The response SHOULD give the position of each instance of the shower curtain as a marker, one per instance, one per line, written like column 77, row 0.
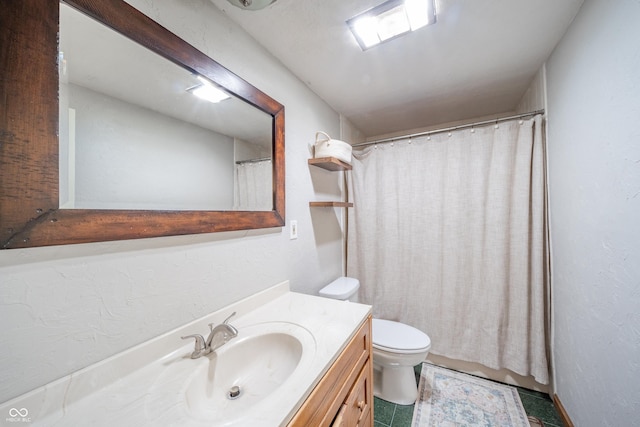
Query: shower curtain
column 448, row 234
column 254, row 186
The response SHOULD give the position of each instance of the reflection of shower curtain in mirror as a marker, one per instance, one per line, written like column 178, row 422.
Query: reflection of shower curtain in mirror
column 254, row 186
column 449, row 234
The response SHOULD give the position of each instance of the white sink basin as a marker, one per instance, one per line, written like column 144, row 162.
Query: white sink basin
column 262, row 361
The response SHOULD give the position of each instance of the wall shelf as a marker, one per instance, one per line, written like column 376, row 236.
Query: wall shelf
column 331, row 204
column 334, row 165
column 330, row 164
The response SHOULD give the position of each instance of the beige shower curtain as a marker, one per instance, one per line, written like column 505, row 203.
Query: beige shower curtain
column 448, row 234
column 254, row 186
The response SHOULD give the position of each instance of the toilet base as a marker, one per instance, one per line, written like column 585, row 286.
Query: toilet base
column 395, row 384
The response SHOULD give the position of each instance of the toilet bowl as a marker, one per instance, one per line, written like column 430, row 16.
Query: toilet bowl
column 397, row 348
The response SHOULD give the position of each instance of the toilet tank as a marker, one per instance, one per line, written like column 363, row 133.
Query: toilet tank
column 343, row 288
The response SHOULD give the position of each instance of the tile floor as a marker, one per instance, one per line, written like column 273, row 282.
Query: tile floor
column 538, row 404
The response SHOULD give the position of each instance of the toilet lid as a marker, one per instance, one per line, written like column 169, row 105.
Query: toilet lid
column 398, row 336
column 341, row 288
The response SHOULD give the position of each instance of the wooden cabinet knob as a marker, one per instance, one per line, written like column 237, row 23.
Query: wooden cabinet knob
column 361, row 405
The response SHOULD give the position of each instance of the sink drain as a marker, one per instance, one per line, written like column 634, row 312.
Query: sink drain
column 234, row 392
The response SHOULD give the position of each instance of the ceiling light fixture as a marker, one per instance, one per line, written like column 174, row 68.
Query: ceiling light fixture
column 390, row 20
column 251, row 4
column 207, row 91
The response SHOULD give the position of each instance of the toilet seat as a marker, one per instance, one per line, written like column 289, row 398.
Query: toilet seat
column 396, row 337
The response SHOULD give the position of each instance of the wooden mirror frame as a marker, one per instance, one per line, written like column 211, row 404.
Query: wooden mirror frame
column 29, row 205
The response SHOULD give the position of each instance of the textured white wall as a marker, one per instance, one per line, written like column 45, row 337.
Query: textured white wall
column 593, row 85
column 63, row 308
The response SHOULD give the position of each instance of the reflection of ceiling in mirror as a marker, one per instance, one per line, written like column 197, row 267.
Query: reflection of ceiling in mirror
column 100, row 59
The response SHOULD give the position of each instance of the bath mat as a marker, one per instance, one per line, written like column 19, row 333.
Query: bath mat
column 535, row 422
column 448, row 398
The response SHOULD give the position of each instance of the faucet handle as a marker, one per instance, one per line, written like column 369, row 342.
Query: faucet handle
column 224, row 322
column 200, row 345
column 234, row 331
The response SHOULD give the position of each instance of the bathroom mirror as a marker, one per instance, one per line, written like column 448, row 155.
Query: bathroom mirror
column 140, row 132
column 191, row 155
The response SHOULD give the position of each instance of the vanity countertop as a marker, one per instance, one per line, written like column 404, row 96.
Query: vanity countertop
column 122, row 390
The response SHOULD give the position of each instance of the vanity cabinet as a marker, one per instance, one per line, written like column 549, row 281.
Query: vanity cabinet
column 344, row 395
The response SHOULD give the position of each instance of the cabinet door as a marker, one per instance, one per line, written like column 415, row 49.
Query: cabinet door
column 356, row 410
column 358, row 401
column 341, row 419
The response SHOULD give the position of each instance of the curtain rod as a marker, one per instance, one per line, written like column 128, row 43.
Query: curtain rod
column 263, row 159
column 449, row 129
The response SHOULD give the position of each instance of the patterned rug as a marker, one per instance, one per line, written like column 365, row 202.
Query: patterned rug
column 448, row 398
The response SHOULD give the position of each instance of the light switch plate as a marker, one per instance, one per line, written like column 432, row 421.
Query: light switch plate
column 293, row 229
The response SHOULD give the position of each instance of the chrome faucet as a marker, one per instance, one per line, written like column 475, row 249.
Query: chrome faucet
column 225, row 331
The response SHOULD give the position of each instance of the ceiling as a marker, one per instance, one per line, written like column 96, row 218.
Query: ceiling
column 477, row 60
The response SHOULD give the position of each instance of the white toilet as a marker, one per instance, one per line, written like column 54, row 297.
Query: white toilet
column 397, row 348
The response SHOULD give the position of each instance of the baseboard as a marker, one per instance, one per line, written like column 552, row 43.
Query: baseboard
column 564, row 416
